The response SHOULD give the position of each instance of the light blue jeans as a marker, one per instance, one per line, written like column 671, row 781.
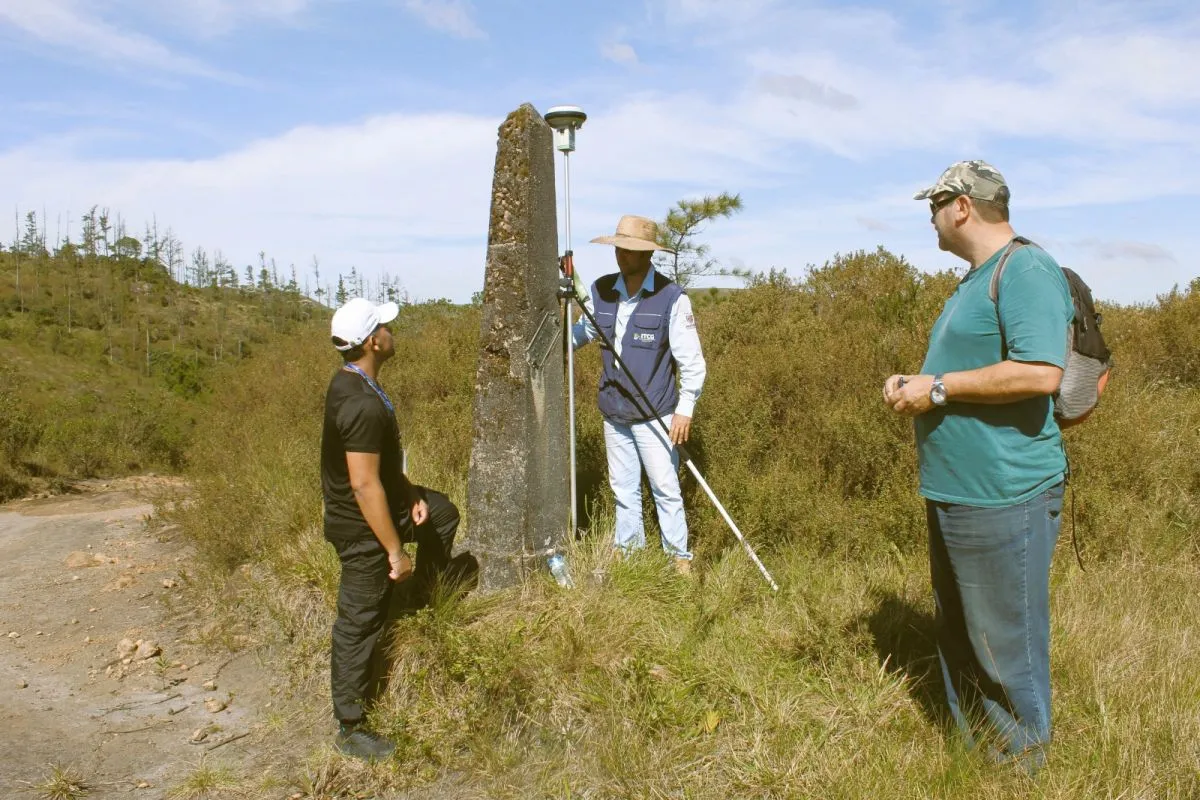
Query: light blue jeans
column 990, row 569
column 630, row 448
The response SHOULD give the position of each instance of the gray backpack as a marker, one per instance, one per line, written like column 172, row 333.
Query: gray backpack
column 1089, row 360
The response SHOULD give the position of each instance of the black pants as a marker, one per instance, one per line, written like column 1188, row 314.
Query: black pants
column 365, row 601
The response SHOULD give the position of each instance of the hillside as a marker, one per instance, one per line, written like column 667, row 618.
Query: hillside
column 108, row 348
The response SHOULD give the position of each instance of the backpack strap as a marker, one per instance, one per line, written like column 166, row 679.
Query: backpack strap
column 1013, row 246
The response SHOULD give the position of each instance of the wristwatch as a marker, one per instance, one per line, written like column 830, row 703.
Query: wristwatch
column 937, row 392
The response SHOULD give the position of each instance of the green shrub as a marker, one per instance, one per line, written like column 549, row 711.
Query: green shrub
column 646, row 685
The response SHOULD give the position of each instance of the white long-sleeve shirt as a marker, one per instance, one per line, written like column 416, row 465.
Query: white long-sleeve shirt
column 683, row 340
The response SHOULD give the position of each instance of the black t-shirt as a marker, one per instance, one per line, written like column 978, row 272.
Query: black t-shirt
column 357, row 421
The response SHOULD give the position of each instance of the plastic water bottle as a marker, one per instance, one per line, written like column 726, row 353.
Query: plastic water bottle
column 558, row 568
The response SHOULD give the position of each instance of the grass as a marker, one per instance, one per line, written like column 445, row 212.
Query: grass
column 640, row 683
column 207, row 781
column 646, row 684
column 63, row 783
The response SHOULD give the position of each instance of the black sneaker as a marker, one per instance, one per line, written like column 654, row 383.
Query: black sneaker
column 361, row 743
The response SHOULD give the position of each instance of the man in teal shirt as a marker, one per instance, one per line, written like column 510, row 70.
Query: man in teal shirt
column 991, row 462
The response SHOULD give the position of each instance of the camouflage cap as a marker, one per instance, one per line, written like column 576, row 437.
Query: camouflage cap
column 977, row 179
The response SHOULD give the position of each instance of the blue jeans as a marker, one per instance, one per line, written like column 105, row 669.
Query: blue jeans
column 990, row 569
column 630, row 448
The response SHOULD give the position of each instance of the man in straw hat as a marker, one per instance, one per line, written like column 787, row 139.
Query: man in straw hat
column 649, row 320
column 370, row 509
column 991, row 462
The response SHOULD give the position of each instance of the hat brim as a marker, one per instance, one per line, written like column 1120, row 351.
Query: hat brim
column 387, row 312
column 629, row 243
column 925, row 194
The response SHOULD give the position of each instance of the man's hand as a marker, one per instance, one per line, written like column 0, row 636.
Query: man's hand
column 908, row 394
column 681, row 428
column 401, row 566
column 420, row 513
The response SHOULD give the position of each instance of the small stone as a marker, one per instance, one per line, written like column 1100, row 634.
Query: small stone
column 77, row 560
column 215, row 705
column 74, row 577
column 14, row 635
column 183, row 667
column 144, row 785
column 126, row 648
column 199, row 735
column 22, row 684
column 147, row 648
column 93, row 610
column 74, row 621
column 39, row 633
column 168, row 583
column 126, row 661
column 87, row 640
column 209, row 686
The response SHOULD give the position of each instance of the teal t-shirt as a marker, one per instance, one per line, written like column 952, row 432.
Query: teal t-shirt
column 996, row 455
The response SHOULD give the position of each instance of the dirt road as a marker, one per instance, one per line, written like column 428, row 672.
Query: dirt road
column 97, row 673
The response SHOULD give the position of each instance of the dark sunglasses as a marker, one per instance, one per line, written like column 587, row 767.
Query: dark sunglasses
column 937, row 205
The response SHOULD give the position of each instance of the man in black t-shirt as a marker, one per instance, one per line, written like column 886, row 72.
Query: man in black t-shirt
column 371, row 508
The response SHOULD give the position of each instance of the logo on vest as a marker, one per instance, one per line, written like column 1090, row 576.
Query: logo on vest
column 647, row 338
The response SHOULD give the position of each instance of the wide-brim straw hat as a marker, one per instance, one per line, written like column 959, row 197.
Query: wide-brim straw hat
column 634, row 233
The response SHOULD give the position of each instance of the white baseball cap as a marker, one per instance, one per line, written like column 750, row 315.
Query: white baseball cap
column 358, row 319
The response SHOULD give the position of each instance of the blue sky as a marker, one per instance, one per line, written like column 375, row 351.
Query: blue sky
column 362, row 132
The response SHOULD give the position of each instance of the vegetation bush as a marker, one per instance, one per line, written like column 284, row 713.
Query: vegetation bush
column 106, row 355
column 644, row 685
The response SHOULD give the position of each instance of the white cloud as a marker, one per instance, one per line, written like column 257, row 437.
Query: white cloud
column 866, row 110
column 861, row 83
column 64, row 24
column 1144, row 252
column 619, row 52
column 825, row 119
column 873, row 224
column 448, row 16
column 407, row 195
column 798, row 87
column 213, row 17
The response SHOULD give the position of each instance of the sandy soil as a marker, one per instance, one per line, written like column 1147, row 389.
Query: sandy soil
column 83, row 578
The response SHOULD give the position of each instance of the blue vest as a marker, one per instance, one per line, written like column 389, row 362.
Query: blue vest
column 645, row 351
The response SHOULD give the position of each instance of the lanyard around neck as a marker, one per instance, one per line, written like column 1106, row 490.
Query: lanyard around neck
column 379, row 391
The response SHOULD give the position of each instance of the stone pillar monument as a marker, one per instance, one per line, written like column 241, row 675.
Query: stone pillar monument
column 518, row 483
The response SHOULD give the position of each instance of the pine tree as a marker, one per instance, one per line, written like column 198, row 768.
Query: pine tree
column 31, row 239
column 316, row 267
column 689, row 259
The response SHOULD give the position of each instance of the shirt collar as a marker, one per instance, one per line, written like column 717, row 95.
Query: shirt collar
column 647, row 285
